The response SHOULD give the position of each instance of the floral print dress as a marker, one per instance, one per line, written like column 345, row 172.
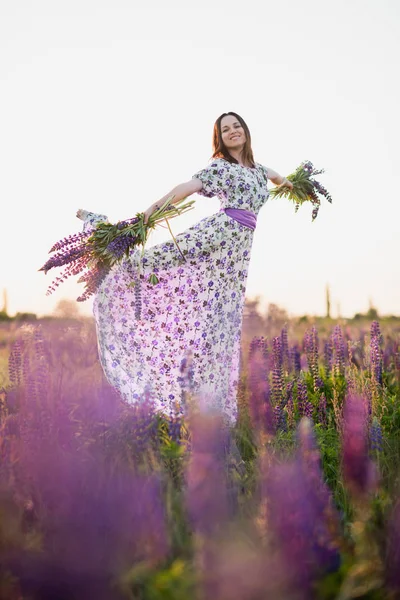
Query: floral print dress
column 183, row 333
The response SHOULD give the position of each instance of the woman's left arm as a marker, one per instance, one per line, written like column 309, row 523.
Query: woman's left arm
column 279, row 179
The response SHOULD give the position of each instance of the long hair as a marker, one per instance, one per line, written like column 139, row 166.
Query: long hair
column 219, row 148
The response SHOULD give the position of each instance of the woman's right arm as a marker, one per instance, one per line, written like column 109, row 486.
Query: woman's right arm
column 183, row 190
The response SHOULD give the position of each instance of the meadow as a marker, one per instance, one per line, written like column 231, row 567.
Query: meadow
column 300, row 500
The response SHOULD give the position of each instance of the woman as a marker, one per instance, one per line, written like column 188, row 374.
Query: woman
column 186, row 329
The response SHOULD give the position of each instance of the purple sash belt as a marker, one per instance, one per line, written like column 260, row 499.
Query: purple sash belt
column 244, row 217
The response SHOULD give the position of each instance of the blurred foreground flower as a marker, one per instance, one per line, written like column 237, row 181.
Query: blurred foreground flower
column 301, row 516
column 358, row 470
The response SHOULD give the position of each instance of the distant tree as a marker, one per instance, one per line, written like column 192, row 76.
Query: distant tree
column 66, row 309
column 253, row 321
column 25, row 316
column 372, row 313
column 275, row 319
column 304, row 319
column 328, row 302
column 276, row 314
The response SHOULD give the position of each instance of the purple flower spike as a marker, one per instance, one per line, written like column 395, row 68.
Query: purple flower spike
column 376, row 353
column 290, row 403
column 375, row 436
column 304, row 406
column 322, row 416
column 311, row 349
column 358, row 470
column 206, row 496
column 328, row 355
column 295, row 359
column 120, row 245
column 339, row 348
column 393, row 552
column 285, row 350
column 297, row 520
column 261, row 412
column 277, row 372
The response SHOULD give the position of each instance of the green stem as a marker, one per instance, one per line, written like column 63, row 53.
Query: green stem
column 173, row 237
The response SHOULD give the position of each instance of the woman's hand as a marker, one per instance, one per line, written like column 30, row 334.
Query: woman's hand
column 286, row 183
column 82, row 214
column 147, row 213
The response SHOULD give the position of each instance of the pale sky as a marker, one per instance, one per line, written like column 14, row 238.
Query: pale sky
column 107, row 105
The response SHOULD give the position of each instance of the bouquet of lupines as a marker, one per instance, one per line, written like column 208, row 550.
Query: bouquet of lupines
column 92, row 253
column 305, row 188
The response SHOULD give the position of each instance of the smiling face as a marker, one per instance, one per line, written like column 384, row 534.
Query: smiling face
column 232, row 133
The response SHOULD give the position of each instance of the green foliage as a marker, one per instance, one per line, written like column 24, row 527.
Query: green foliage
column 172, row 582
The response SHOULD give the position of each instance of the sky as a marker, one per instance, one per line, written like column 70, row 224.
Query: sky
column 107, row 105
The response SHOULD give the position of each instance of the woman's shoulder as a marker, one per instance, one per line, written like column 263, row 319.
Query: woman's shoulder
column 219, row 160
column 261, row 167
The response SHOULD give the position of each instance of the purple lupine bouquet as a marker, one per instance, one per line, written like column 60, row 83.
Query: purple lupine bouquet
column 92, row 253
column 305, row 188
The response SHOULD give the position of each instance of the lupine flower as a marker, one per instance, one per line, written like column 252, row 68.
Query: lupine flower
column 311, row 349
column 239, row 570
column 66, row 464
column 97, row 249
column 71, row 240
column 121, row 244
column 285, row 350
column 206, row 495
column 393, row 551
column 339, row 351
column 322, row 410
column 328, row 355
column 174, row 426
column 280, row 417
column 15, row 363
column 304, row 188
column 260, row 407
column 277, row 371
column 305, row 407
column 310, row 460
column 396, row 357
column 376, row 352
column 259, row 345
column 93, row 282
column 295, row 356
column 375, row 436
column 296, row 517
column 62, row 258
column 358, row 471
column 289, row 403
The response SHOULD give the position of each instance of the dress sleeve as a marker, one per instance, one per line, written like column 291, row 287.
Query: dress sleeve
column 264, row 171
column 216, row 177
column 91, row 220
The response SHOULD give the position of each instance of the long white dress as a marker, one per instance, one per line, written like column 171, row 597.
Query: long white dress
column 147, row 333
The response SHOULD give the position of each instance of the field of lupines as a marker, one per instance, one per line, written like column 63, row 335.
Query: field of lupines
column 300, row 501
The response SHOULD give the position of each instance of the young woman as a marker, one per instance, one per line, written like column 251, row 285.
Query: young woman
column 185, row 331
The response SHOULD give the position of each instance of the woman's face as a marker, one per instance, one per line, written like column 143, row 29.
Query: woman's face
column 232, row 132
